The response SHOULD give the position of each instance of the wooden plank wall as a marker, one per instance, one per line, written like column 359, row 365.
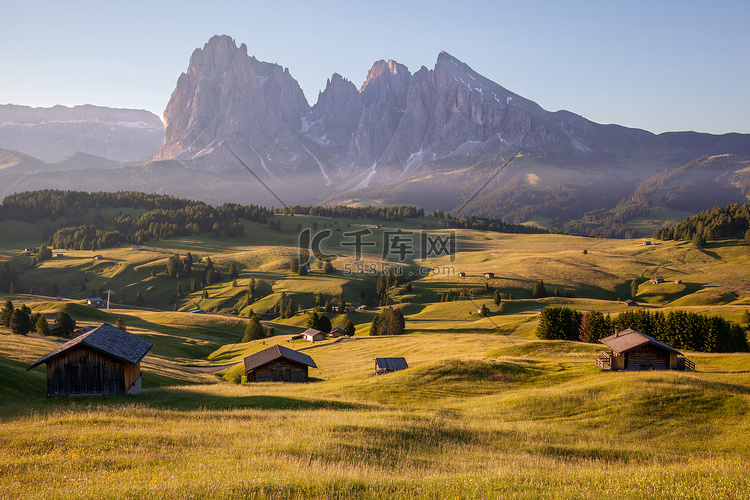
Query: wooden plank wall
column 280, row 371
column 647, row 357
column 85, row 371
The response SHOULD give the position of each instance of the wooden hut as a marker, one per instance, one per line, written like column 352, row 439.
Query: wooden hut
column 313, row 335
column 634, row 351
column 337, row 332
column 96, row 302
column 105, row 360
column 386, row 365
column 489, row 275
column 278, row 364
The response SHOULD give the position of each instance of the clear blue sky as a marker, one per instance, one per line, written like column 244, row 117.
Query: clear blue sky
column 656, row 65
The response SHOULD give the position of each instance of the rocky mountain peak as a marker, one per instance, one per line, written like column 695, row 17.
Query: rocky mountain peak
column 383, row 73
column 215, row 57
column 227, row 95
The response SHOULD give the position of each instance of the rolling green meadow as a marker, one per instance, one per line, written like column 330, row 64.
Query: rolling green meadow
column 485, row 409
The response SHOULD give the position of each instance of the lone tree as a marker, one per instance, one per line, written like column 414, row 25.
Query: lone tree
column 254, row 330
column 65, row 324
column 349, row 328
column 120, row 323
column 328, row 267
column 233, row 274
column 539, row 290
column 497, row 298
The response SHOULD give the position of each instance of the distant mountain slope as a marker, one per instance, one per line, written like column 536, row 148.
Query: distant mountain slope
column 15, row 162
column 52, row 134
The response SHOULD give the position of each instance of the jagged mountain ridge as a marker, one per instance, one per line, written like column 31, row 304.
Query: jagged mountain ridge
column 52, row 134
column 396, row 125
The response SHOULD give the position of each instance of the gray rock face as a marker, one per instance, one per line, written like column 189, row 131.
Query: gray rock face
column 52, row 134
column 396, row 125
column 229, row 97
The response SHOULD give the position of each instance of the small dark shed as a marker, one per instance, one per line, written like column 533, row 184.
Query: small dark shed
column 278, row 364
column 634, row 351
column 105, row 360
column 385, row 365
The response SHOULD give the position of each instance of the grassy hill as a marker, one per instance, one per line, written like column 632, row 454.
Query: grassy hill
column 485, row 409
column 474, row 416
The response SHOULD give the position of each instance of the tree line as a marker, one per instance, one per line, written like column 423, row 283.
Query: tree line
column 731, row 222
column 165, row 217
column 680, row 329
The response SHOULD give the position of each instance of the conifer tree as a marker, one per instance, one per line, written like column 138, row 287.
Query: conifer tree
column 65, row 324
column 539, row 290
column 20, row 324
column 254, row 330
column 6, row 312
column 42, row 326
column 349, row 329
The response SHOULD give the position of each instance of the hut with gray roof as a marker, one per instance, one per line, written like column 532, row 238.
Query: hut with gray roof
column 105, row 360
column 278, row 364
column 387, row 365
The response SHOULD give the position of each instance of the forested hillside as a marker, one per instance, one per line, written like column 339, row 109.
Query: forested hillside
column 717, row 223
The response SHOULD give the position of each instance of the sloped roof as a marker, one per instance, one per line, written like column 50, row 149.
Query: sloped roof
column 312, row 331
column 106, row 339
column 630, row 339
column 275, row 352
column 391, row 364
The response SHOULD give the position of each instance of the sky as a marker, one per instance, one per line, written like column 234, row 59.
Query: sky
column 658, row 65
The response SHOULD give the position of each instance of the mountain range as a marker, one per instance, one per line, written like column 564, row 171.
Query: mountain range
column 433, row 137
column 52, row 134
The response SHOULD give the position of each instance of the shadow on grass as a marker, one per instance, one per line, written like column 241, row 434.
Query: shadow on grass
column 171, row 399
column 187, row 400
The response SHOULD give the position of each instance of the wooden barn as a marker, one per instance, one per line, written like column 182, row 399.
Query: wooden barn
column 313, row 335
column 337, row 332
column 105, row 360
column 386, row 365
column 278, row 364
column 634, row 351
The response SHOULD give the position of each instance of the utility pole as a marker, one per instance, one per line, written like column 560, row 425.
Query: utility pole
column 109, row 293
